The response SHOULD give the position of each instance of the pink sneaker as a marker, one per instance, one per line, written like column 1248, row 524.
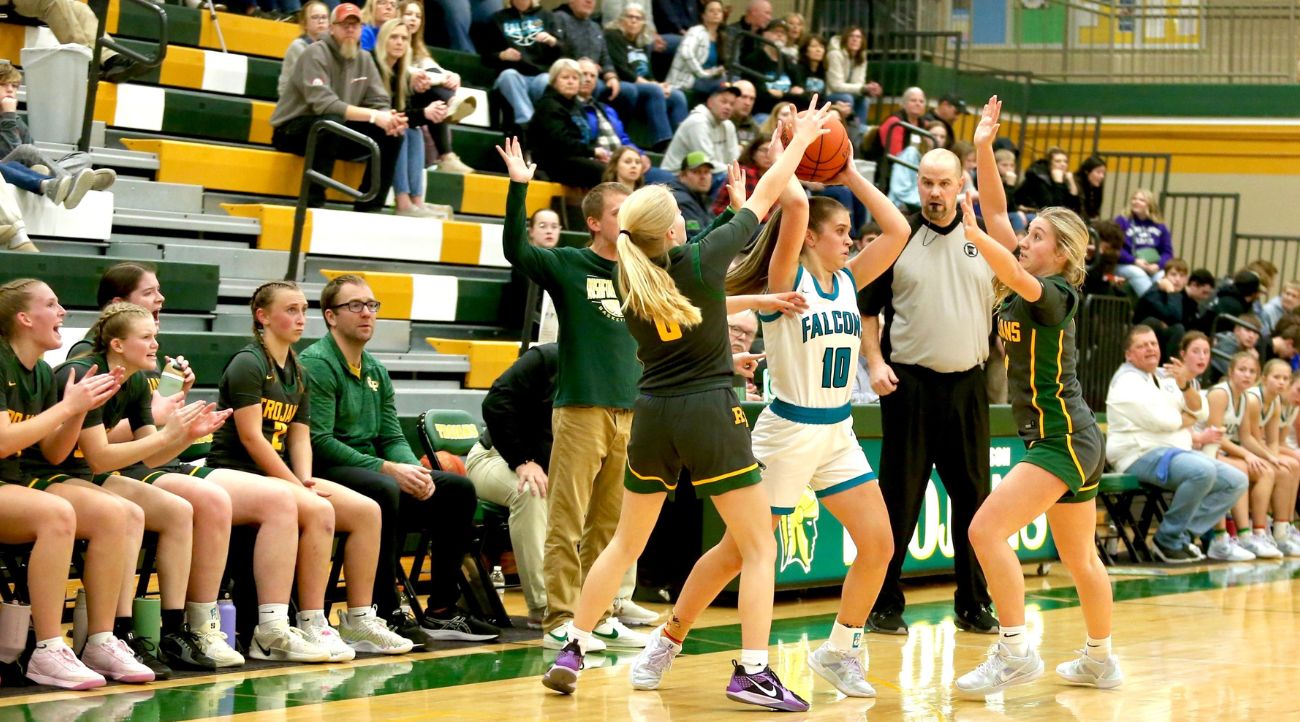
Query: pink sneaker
column 59, row 667
column 116, row 661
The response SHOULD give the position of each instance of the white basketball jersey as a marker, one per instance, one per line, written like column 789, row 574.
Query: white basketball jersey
column 1265, row 414
column 812, row 358
column 1233, row 414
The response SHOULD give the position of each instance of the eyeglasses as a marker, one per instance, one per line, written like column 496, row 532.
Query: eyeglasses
column 740, row 330
column 358, row 306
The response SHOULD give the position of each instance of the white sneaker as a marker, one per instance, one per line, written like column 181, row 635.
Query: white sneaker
column 1288, row 545
column 1261, row 546
column 558, row 638
column 1087, row 671
column 616, row 635
column 59, row 667
column 842, row 669
column 652, row 663
column 114, row 660
column 1225, row 548
column 212, row 641
column 370, row 634
column 279, row 642
column 1195, row 550
column 999, row 671
column 633, row 614
column 320, row 633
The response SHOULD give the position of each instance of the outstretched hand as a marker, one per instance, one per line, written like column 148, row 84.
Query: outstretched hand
column 970, row 222
column 521, row 171
column 811, row 123
column 987, row 130
column 736, row 185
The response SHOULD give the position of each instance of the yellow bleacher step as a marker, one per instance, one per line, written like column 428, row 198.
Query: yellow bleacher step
column 227, row 168
column 487, row 359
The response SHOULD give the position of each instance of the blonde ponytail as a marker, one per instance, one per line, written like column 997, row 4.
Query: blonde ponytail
column 648, row 291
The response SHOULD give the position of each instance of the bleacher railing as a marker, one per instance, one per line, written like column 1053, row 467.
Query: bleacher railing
column 1178, row 41
column 1077, row 135
column 311, row 176
column 1282, row 251
column 1204, row 227
column 1099, row 335
column 152, row 60
column 1127, row 172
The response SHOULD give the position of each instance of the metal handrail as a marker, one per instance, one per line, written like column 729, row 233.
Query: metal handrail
column 310, row 176
column 100, row 8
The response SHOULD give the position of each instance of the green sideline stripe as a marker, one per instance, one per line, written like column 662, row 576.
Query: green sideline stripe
column 201, row 701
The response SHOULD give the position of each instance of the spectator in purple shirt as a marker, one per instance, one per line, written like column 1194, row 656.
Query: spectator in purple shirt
column 1148, row 245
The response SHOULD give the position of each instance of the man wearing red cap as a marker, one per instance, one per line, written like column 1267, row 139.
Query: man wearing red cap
column 334, row 80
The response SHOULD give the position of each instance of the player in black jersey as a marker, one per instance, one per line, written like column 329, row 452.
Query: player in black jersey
column 687, row 415
column 252, row 501
column 33, row 422
column 112, row 526
column 191, row 517
column 1039, row 298
column 266, row 387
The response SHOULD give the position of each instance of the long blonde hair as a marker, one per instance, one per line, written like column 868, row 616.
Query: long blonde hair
column 386, row 70
column 419, row 51
column 1071, row 240
column 1153, row 208
column 648, row 291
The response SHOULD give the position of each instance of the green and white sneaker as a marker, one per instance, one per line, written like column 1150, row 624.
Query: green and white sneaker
column 369, row 633
column 558, row 638
column 616, row 635
column 1089, row 672
column 999, row 671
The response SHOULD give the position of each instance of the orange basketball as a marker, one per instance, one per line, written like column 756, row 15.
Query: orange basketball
column 826, row 156
column 451, row 463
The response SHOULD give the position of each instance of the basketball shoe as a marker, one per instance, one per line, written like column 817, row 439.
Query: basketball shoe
column 57, row 666
column 764, row 689
column 563, row 675
column 1087, row 671
column 842, row 669
column 652, row 663
column 1000, row 670
column 278, row 642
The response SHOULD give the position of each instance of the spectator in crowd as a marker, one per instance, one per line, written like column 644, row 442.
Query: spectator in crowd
column 1282, row 345
column 709, row 130
column 1166, row 309
column 846, row 75
column 699, row 64
column 1286, row 302
column 891, row 139
column 742, row 115
column 1090, row 179
column 755, row 159
column 1239, row 295
column 444, row 85
column 1048, row 182
column 903, row 191
column 783, row 112
column 564, row 149
column 1006, row 160
column 373, row 16
column 1243, row 336
column 1201, row 289
column 795, row 24
column 75, row 23
column 758, row 15
column 946, row 112
column 625, row 167
column 768, row 68
column 742, row 329
column 603, row 123
column 809, row 69
column 17, row 148
column 1267, row 273
column 1103, row 256
column 522, row 44
column 393, row 54
column 965, row 152
column 1147, row 242
column 358, row 443
column 629, row 46
column 661, row 48
column 543, row 232
column 335, row 81
column 1150, row 411
column 459, row 16
column 691, row 191
column 677, row 17
column 581, row 37
column 315, row 23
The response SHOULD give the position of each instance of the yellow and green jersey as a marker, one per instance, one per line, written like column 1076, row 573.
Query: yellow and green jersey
column 250, row 378
column 27, row 393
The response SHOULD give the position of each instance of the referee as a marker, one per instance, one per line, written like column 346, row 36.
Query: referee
column 928, row 368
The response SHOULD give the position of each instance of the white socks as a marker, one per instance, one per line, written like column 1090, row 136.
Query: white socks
column 1098, row 650
column 1015, row 639
column 582, row 638
column 98, row 638
column 312, row 619
column 1281, row 530
column 753, row 660
column 269, row 614
column 199, row 614
column 846, row 639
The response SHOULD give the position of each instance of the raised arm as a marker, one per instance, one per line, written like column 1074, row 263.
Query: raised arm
column 881, row 253
column 1000, row 259
column 533, row 261
column 784, row 264
column 808, row 126
column 993, row 199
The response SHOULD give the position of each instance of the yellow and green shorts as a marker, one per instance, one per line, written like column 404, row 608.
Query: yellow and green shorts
column 705, row 433
column 1076, row 459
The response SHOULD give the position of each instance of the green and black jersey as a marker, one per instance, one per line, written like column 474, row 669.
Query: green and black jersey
column 686, row 360
column 1046, row 398
column 133, row 402
column 250, row 378
column 27, row 393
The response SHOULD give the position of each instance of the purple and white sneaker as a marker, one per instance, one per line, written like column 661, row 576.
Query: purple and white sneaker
column 563, row 675
column 763, row 689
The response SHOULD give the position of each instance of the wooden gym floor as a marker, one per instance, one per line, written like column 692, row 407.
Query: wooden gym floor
column 1204, row 643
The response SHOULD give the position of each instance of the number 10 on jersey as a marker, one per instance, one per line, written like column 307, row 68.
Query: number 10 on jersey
column 835, row 367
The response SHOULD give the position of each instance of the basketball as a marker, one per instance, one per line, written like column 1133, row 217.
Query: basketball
column 826, row 156
column 451, row 463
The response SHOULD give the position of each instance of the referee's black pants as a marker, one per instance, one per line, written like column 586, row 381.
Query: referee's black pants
column 935, row 421
column 448, row 515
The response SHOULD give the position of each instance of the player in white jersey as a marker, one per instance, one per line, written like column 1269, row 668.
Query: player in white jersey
column 1237, row 413
column 1268, row 443
column 805, row 438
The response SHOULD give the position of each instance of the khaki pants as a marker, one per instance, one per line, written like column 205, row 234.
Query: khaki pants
column 69, row 20
column 494, row 481
column 586, row 491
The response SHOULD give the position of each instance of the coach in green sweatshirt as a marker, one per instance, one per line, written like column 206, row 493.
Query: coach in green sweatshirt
column 357, row 442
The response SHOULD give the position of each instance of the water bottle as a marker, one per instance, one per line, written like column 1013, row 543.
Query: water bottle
column 498, row 578
column 171, row 381
column 79, row 622
column 226, row 613
column 15, row 620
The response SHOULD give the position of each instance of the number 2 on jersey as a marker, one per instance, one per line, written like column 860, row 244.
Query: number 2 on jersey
column 835, row 367
column 277, row 436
